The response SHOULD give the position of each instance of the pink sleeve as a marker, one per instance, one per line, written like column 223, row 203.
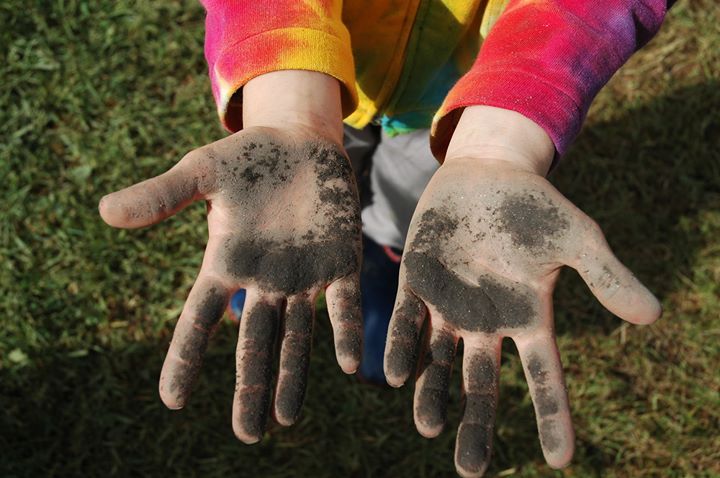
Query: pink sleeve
column 547, row 59
column 244, row 39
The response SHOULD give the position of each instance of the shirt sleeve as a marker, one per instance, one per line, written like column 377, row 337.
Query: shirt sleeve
column 547, row 59
column 244, row 39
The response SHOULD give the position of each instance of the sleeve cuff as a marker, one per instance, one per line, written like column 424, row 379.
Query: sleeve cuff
column 275, row 50
column 517, row 90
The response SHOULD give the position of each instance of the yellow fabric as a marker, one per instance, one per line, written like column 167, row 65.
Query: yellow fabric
column 379, row 32
column 396, row 58
column 295, row 49
column 382, row 33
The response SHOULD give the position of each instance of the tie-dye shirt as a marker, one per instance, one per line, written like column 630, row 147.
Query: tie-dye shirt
column 417, row 63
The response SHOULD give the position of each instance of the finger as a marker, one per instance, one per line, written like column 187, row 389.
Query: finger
column 294, row 360
column 258, row 330
column 152, row 200
column 343, row 302
column 543, row 372
column 613, row 284
column 432, row 386
column 403, row 336
column 202, row 311
column 473, row 445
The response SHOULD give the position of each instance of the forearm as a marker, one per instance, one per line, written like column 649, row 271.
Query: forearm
column 295, row 99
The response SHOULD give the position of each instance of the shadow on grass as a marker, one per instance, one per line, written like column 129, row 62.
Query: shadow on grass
column 100, row 415
column 645, row 176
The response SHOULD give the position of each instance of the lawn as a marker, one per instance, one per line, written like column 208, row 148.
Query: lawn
column 98, row 95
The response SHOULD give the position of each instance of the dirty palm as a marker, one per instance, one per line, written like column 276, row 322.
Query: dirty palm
column 283, row 223
column 483, row 254
column 485, row 249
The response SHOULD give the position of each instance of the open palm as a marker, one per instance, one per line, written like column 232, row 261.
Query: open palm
column 283, row 223
column 483, row 254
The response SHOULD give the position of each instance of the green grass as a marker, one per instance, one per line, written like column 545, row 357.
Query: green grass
column 98, row 95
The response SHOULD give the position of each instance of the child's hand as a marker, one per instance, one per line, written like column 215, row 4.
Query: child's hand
column 284, row 223
column 484, row 251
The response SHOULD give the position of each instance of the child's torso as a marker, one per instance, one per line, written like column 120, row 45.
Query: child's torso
column 409, row 53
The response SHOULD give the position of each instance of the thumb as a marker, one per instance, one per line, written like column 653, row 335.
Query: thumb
column 613, row 284
column 152, row 200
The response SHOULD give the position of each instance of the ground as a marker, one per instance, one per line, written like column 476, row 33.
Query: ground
column 98, row 95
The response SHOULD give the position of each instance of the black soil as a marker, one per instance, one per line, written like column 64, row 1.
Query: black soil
column 331, row 163
column 349, row 340
column 533, row 221
column 474, row 440
column 319, row 256
column 548, row 436
column 207, row 314
column 486, row 306
column 431, row 405
column 294, row 361
column 255, row 372
column 192, row 352
column 545, row 401
column 263, row 165
column 435, row 227
column 339, row 201
column 404, row 337
column 211, row 308
column 290, row 269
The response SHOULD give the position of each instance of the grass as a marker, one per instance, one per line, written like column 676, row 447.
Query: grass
column 98, row 95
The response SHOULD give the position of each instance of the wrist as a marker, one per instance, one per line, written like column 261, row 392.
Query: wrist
column 301, row 99
column 486, row 133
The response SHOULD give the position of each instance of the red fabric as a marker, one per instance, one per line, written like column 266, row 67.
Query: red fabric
column 547, row 59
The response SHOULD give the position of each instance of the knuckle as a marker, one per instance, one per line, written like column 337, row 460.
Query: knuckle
column 591, row 226
column 193, row 156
